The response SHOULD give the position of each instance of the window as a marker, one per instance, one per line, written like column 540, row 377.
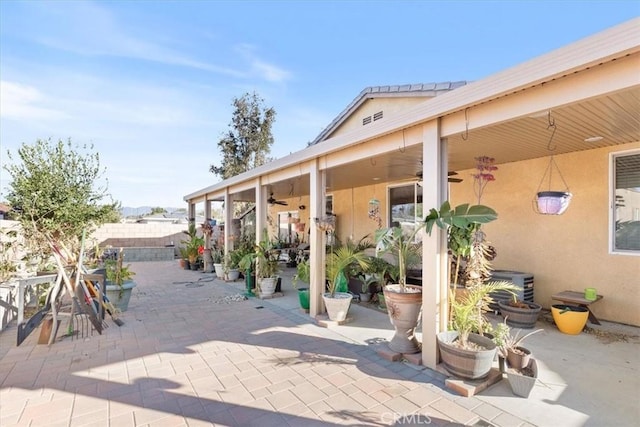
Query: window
column 626, row 202
column 405, row 206
column 286, row 227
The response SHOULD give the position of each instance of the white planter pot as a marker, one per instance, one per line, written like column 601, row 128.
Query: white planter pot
column 219, row 270
column 233, row 275
column 267, row 286
column 338, row 305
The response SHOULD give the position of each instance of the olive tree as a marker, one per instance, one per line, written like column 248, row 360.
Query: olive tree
column 55, row 192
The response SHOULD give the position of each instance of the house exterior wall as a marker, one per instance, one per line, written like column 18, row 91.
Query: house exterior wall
column 389, row 107
column 566, row 252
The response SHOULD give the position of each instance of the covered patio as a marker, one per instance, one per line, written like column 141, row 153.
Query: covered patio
column 579, row 104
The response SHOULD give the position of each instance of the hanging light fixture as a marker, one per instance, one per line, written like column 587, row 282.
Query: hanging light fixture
column 547, row 201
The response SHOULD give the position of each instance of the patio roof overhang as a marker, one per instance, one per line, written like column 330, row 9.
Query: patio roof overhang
column 591, row 88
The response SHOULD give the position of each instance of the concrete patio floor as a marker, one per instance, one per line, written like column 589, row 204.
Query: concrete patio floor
column 185, row 356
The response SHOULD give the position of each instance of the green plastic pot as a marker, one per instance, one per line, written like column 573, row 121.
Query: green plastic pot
column 303, row 296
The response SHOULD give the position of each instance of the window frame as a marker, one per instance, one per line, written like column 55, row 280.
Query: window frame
column 416, row 218
column 613, row 156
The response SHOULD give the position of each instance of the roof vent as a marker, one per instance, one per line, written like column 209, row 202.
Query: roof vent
column 366, row 120
column 377, row 116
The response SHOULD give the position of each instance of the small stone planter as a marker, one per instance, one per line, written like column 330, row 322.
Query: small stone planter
column 337, row 305
column 521, row 384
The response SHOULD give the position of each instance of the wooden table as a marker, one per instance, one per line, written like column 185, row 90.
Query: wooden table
column 577, row 298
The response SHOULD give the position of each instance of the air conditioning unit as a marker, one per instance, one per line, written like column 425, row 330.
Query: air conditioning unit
column 523, row 281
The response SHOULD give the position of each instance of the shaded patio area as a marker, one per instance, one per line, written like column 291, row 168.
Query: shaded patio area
column 188, row 356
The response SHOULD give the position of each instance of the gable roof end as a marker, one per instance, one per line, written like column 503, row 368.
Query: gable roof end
column 418, row 89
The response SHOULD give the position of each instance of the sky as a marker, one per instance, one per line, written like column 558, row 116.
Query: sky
column 151, row 83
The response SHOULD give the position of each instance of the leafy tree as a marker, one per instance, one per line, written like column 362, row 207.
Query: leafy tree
column 158, row 210
column 249, row 139
column 54, row 192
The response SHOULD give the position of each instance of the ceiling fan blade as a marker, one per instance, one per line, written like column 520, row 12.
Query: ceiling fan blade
column 455, row 179
column 280, row 202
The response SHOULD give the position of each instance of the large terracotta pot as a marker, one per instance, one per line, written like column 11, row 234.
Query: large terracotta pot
column 463, row 363
column 404, row 310
column 337, row 305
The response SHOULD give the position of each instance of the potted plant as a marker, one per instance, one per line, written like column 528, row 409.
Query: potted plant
column 266, row 264
column 404, row 302
column 303, row 271
column 521, row 368
column 232, row 261
column 464, row 350
column 510, row 346
column 520, row 314
column 337, row 302
column 366, row 280
column 569, row 319
column 119, row 283
column 184, row 258
column 192, row 246
column 217, row 258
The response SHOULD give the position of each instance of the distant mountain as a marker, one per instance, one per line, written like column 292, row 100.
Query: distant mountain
column 128, row 212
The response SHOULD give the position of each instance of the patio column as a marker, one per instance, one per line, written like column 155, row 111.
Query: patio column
column 317, row 238
column 207, row 217
column 228, row 221
column 261, row 209
column 192, row 213
column 434, row 247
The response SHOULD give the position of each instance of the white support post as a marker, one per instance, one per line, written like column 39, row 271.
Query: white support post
column 192, row 213
column 434, row 248
column 228, row 221
column 261, row 209
column 207, row 217
column 317, row 238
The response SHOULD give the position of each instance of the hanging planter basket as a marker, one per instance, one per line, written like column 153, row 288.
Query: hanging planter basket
column 552, row 202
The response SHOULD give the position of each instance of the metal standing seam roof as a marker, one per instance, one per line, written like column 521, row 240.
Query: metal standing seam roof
column 418, row 89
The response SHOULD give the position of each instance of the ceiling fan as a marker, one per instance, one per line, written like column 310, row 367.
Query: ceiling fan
column 449, row 175
column 272, row 201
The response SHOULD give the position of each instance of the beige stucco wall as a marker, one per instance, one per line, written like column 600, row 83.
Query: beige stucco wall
column 389, row 107
column 566, row 252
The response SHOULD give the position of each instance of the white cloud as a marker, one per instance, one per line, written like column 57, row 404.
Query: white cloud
column 24, row 102
column 263, row 69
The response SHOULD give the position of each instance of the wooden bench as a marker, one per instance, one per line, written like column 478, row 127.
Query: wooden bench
column 573, row 297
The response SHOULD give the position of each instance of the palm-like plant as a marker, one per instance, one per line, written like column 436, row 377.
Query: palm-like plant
column 340, row 260
column 468, row 309
column 402, row 246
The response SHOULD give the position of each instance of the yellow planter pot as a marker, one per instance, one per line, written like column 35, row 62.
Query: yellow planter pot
column 569, row 319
